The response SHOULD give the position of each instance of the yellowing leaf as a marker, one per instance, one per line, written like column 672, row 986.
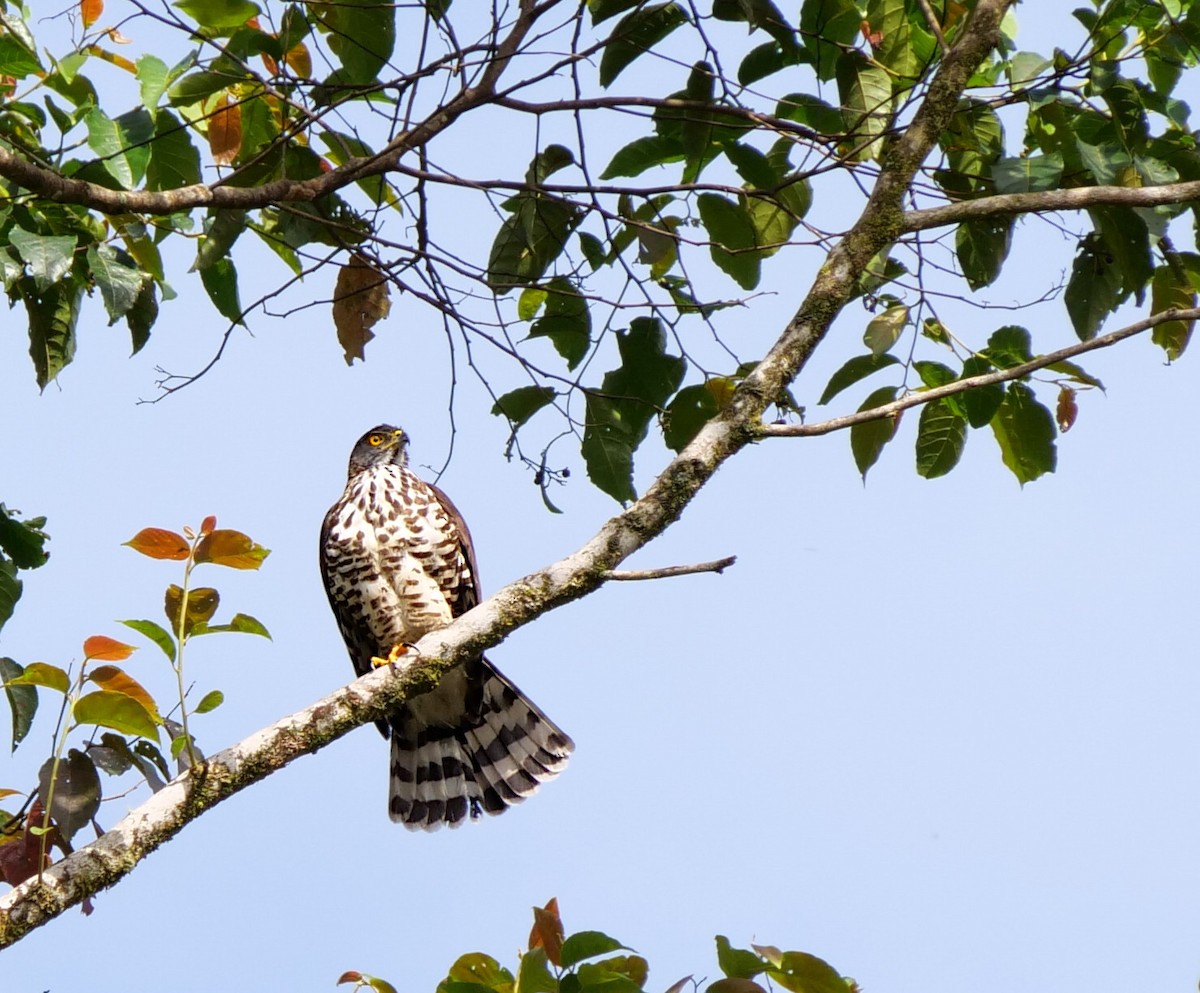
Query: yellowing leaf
column 90, row 11
column 299, row 60
column 231, row 548
column 225, row 131
column 202, row 604
column 360, row 300
column 112, row 58
column 159, row 543
column 42, row 674
column 106, row 649
column 109, row 677
column 116, row 711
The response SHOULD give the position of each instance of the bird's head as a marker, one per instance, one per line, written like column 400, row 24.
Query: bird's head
column 382, row 445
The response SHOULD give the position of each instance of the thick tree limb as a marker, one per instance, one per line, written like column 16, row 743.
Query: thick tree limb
column 108, row 859
column 974, row 382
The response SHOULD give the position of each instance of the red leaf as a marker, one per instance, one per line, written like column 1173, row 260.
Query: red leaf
column 349, row 977
column 90, row 11
column 547, row 931
column 1068, row 410
column 208, row 524
column 159, row 543
column 106, row 649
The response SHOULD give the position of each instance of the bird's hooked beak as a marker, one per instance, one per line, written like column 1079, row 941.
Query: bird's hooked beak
column 395, row 439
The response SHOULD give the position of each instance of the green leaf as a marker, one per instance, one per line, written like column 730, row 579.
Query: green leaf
column 23, row 541
column 982, row 246
column 49, row 257
column 812, row 112
column 941, row 435
column 220, row 282
column 642, row 154
column 224, row 227
column 934, row 374
column 343, row 147
column 121, row 144
column 586, row 945
column 174, row 160
column 52, row 314
column 210, row 701
column 867, row 439
column 566, row 321
column 1009, row 346
column 44, row 674
column 800, row 972
column 1094, row 289
column 116, row 711
column 120, row 281
column 1025, row 431
column 153, row 78
column 239, row 624
column 981, row 403
column 198, row 86
column 22, row 700
column 826, row 27
column 522, row 403
column 10, row 589
column 883, row 331
column 530, row 302
column 734, row 238
column 602, row 10
column 1167, row 291
column 533, row 974
column 1127, row 240
column 362, row 36
column 75, row 798
column 142, row 315
column 607, row 448
column 691, row 408
column 1028, row 174
column 859, row 367
column 15, row 59
column 737, row 963
column 636, row 34
column 221, row 15
column 866, row 92
column 156, row 634
column 528, row 241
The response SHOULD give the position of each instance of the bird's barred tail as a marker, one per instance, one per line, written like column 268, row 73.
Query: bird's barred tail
column 495, row 758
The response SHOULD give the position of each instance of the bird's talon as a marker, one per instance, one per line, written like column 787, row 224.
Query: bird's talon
column 395, row 655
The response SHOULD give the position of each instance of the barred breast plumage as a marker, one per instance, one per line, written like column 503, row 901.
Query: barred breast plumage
column 398, row 562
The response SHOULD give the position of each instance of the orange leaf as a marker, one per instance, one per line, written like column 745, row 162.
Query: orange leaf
column 230, row 548
column 208, row 524
column 547, row 931
column 1068, row 410
column 90, row 11
column 225, row 131
column 349, row 977
column 109, row 677
column 299, row 60
column 106, row 649
column 270, row 63
column 361, row 299
column 158, row 543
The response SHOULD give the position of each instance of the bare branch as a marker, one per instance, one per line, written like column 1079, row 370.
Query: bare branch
column 974, row 382
column 629, row 575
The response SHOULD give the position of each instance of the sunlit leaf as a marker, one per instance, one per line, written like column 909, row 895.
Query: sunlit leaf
column 159, row 543
column 1169, row 290
column 547, row 932
column 1024, row 429
column 42, row 674
column 105, row 649
column 883, row 331
column 231, row 548
column 737, row 962
column 219, row 14
column 202, row 603
column 239, row 624
column 48, row 257
column 115, row 680
column 119, row 279
column 225, row 130
column 90, row 11
column 585, row 945
column 156, row 634
column 117, row 711
column 800, row 972
column 210, row 701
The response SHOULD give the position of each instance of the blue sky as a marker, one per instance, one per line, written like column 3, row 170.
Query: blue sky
column 941, row 734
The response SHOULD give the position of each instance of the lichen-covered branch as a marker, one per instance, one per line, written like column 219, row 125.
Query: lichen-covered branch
column 109, row 858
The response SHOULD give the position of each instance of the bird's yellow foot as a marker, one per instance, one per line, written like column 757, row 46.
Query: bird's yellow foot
column 395, row 655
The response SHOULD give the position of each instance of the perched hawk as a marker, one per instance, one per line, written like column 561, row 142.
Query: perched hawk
column 397, row 563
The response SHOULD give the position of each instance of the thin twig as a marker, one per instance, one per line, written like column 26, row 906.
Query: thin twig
column 934, row 26
column 973, row 382
column 717, row 566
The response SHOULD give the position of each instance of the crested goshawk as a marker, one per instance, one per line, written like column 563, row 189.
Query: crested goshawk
column 397, row 562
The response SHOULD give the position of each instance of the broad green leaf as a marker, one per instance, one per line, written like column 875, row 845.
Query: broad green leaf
column 153, row 78
column 530, row 302
column 941, row 435
column 586, row 945
column 934, row 374
column 119, row 279
column 75, row 797
column 1075, row 372
column 221, row 283
column 642, row 154
column 522, row 403
column 49, row 257
column 115, row 680
column 342, row 148
column 866, row 93
column 121, row 144
column 689, row 410
column 174, row 160
column 1028, row 174
column 22, row 700
column 362, row 36
column 142, row 315
column 867, row 439
column 16, row 59
column 156, row 633
column 10, row 589
column 1025, row 431
column 1009, row 346
column 619, row 974
column 602, row 10
column 734, row 238
column 607, row 448
column 565, row 320
column 210, row 701
column 637, row 33
column 533, row 974
column 224, row 227
column 23, row 541
column 981, row 403
column 800, row 972
column 238, row 624
column 859, row 367
column 530, row 240
column 737, row 962
column 477, row 970
column 1169, row 290
column 812, row 112
column 219, row 14
column 1127, row 240
column 982, row 246
column 1094, row 289
column 116, row 711
column 197, row 86
column 826, row 28
column 44, row 674
column 884, row 331
column 53, row 313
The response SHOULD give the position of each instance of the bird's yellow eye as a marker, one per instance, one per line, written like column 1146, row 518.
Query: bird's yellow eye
column 376, row 439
